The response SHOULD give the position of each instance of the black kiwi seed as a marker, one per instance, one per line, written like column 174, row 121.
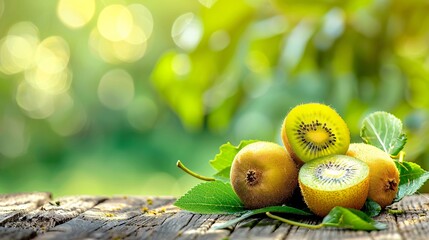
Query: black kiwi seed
column 314, row 126
column 314, row 130
column 349, row 172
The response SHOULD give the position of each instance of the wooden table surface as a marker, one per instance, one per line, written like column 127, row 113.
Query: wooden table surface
column 38, row 216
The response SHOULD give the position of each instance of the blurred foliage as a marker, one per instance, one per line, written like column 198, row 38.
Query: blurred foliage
column 103, row 97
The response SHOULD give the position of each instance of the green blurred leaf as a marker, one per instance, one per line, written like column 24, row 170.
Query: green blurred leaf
column 384, row 131
column 247, row 214
column 371, row 208
column 351, row 219
column 411, row 178
column 181, row 80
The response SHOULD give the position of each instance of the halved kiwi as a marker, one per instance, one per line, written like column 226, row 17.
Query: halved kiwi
column 314, row 130
column 335, row 180
column 383, row 177
column 263, row 174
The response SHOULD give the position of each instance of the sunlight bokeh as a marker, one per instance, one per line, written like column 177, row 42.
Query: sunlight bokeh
column 103, row 97
column 75, row 13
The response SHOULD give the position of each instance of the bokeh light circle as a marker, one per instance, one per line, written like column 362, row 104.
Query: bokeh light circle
column 207, row 3
column 187, row 31
column 116, row 89
column 52, row 55
column 115, row 22
column 18, row 47
column 219, row 40
column 75, row 13
column 69, row 118
column 142, row 18
column 181, row 64
column 36, row 103
column 114, row 46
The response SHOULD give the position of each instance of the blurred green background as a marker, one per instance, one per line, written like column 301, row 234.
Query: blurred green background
column 103, row 97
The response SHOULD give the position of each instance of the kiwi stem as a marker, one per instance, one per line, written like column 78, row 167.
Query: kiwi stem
column 298, row 224
column 180, row 165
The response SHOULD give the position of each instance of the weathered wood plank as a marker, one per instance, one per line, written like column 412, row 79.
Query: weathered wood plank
column 142, row 227
column 16, row 233
column 211, row 233
column 12, row 206
column 156, row 218
column 54, row 213
column 413, row 223
column 106, row 220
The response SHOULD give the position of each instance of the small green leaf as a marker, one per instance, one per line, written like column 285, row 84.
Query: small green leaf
column 371, row 208
column 249, row 213
column 214, row 197
column 226, row 155
column 384, row 131
column 223, row 175
column 411, row 178
column 351, row 219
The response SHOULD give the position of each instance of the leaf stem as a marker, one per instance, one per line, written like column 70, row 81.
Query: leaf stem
column 180, row 165
column 400, row 156
column 395, row 211
column 298, row 224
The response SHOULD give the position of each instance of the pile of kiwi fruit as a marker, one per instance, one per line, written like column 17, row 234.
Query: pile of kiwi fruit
column 317, row 162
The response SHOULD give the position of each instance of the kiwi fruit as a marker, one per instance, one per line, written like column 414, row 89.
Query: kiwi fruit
column 335, row 180
column 383, row 176
column 263, row 174
column 314, row 130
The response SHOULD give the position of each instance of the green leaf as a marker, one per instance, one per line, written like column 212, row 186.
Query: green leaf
column 384, row 131
column 223, row 175
column 371, row 208
column 411, row 178
column 226, row 155
column 351, row 219
column 214, row 197
column 249, row 213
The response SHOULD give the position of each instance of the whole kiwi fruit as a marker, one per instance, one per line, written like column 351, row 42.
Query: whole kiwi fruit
column 263, row 174
column 383, row 174
column 335, row 180
column 314, row 130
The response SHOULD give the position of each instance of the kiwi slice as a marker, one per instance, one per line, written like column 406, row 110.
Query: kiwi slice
column 383, row 176
column 263, row 174
column 335, row 180
column 314, row 130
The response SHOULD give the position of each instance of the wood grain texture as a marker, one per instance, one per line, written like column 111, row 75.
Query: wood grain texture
column 13, row 205
column 37, row 216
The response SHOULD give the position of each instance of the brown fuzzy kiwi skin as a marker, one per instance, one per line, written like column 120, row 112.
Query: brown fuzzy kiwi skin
column 321, row 202
column 384, row 176
column 263, row 174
